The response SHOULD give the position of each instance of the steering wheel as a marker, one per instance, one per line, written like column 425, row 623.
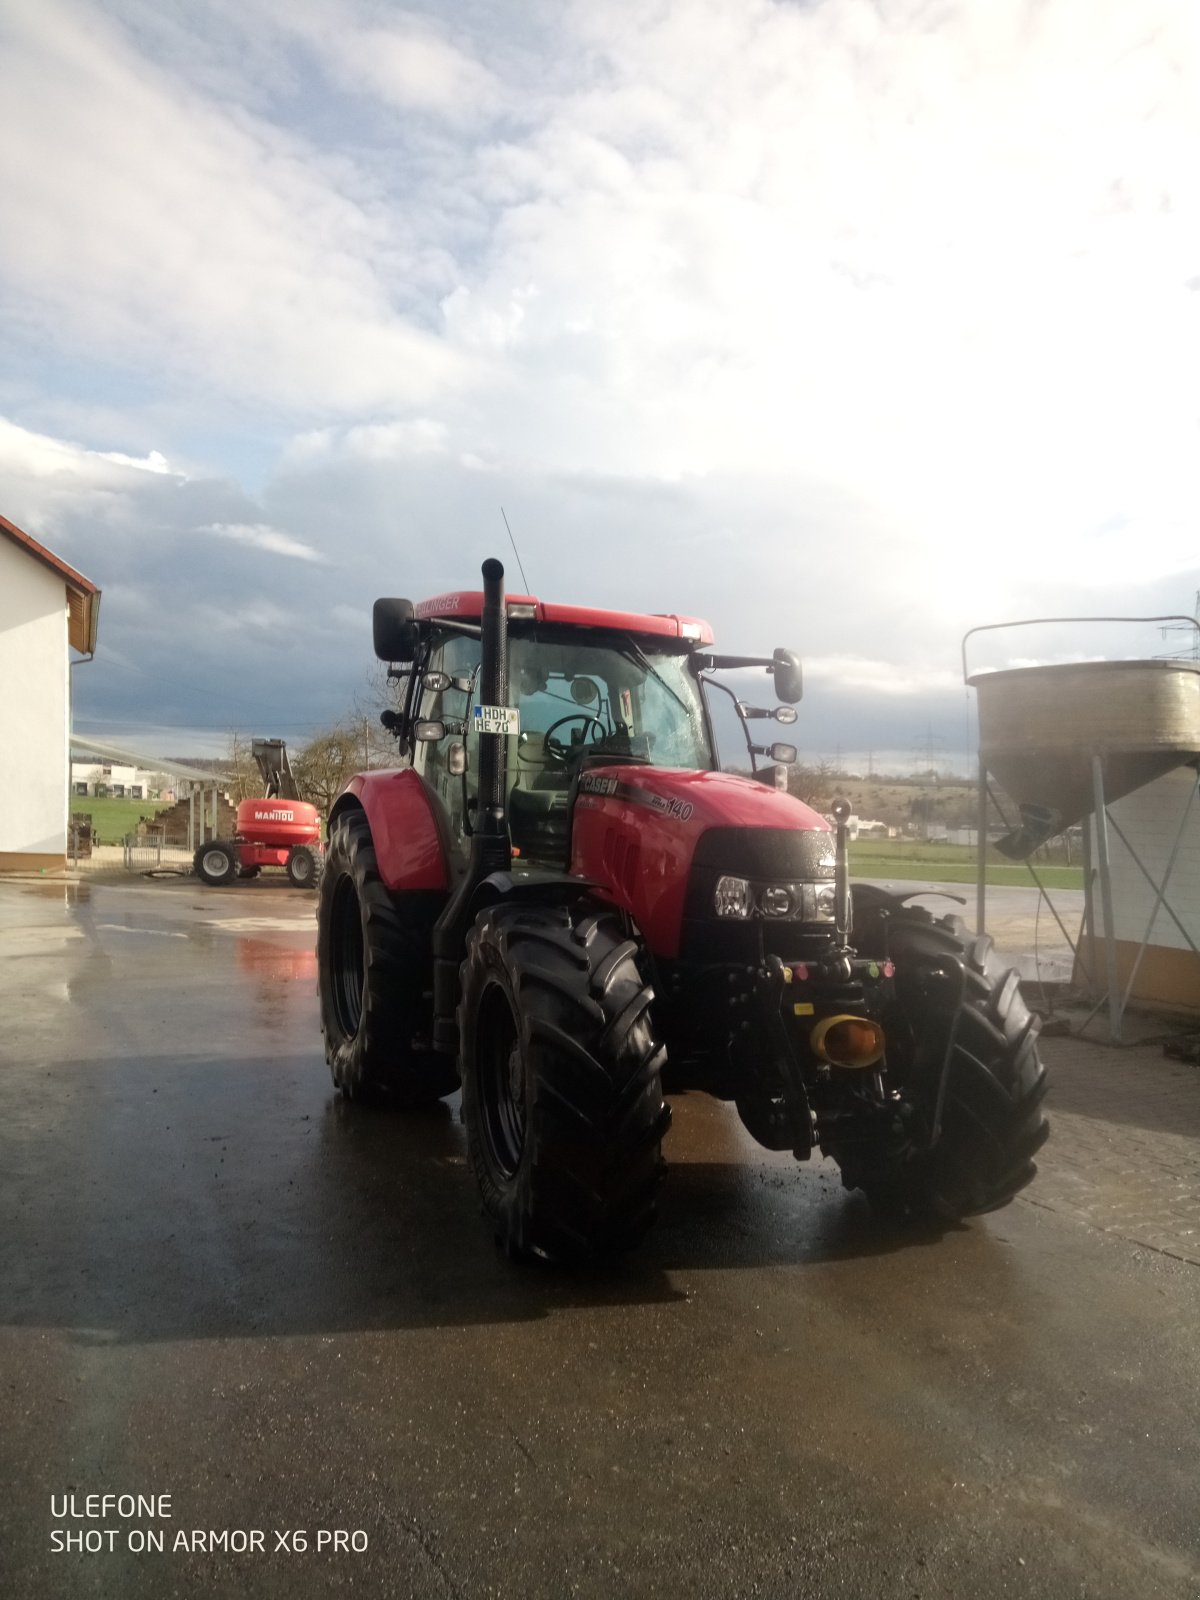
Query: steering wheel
column 559, row 755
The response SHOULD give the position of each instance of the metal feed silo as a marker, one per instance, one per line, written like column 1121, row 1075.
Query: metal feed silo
column 1068, row 740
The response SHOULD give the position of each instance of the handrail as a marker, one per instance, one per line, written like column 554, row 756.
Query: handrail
column 1028, row 622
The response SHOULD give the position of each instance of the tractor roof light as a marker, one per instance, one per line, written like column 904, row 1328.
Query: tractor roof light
column 846, row 1041
column 522, row 610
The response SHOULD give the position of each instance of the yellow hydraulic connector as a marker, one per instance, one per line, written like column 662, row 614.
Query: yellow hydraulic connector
column 847, row 1041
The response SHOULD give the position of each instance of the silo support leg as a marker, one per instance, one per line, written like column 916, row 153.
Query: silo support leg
column 1100, row 816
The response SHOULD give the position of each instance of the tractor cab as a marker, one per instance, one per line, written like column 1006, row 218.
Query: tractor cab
column 581, row 696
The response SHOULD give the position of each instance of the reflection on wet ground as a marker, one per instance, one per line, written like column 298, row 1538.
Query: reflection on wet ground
column 219, row 1280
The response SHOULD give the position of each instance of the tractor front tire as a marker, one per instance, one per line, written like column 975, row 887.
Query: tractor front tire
column 992, row 1123
column 562, row 1091
column 304, row 867
column 215, row 863
column 373, row 958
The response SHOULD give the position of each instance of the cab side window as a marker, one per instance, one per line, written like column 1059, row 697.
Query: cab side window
column 457, row 656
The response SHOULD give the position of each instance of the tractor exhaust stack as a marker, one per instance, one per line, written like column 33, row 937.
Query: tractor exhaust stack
column 491, row 843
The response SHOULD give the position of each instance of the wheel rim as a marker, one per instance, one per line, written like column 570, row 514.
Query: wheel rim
column 501, row 1070
column 302, row 868
column 215, row 863
column 347, row 967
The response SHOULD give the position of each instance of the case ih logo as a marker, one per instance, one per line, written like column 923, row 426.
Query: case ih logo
column 590, row 784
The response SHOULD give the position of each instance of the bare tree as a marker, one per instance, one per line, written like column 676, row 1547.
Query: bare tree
column 243, row 780
column 815, row 784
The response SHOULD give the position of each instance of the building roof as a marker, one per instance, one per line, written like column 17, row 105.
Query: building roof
column 106, row 751
column 83, row 597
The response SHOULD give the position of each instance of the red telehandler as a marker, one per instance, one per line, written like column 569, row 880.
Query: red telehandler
column 280, row 830
column 560, row 902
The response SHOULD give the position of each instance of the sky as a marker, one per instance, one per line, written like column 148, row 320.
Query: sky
column 849, row 325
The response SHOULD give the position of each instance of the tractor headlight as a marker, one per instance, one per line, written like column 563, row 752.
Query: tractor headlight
column 777, row 900
column 732, row 898
column 774, row 902
column 820, row 902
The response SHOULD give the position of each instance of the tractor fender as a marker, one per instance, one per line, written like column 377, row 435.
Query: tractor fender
column 404, row 829
column 542, row 884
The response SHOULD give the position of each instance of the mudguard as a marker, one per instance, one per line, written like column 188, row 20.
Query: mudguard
column 636, row 830
column 408, row 843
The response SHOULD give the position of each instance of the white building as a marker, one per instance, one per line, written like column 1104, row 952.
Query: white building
column 1154, row 855
column 47, row 609
column 123, row 780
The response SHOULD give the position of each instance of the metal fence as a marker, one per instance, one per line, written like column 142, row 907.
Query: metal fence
column 142, row 851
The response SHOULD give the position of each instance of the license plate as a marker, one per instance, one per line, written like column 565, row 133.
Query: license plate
column 496, row 719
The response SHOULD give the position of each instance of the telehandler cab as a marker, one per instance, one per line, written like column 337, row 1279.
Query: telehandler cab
column 560, row 902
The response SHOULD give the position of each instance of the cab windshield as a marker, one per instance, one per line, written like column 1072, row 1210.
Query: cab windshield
column 580, row 695
column 605, row 696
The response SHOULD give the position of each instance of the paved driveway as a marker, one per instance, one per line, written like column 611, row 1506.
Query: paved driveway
column 220, row 1286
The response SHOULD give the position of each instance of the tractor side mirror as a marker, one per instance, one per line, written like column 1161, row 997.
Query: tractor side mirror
column 789, row 676
column 784, row 754
column 396, row 631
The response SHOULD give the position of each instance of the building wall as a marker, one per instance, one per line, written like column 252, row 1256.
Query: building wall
column 1150, row 818
column 112, row 776
column 34, row 713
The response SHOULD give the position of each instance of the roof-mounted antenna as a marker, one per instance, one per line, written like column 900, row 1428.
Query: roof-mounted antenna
column 516, row 552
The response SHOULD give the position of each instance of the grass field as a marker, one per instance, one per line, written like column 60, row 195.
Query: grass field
column 111, row 818
column 949, row 863
column 905, row 859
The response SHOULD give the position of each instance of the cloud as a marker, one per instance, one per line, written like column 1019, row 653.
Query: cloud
column 262, row 537
column 859, row 673
column 378, row 441
column 851, row 326
column 154, row 219
column 405, row 61
column 43, row 456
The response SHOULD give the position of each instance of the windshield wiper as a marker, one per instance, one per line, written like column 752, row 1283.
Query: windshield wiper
column 634, row 652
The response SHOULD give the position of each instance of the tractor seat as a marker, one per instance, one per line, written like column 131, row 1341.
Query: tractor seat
column 537, row 817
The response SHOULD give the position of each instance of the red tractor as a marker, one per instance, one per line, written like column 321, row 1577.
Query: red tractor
column 560, row 902
column 280, row 830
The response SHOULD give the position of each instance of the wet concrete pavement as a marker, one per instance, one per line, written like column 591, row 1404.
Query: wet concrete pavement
column 219, row 1284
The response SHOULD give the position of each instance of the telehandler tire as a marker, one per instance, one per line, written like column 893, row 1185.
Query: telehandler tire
column 304, row 867
column 373, row 958
column 562, row 1092
column 992, row 1122
column 215, row 863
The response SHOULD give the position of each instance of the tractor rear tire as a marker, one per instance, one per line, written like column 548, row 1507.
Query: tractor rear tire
column 562, row 1091
column 992, row 1121
column 304, row 867
column 216, row 863
column 373, row 958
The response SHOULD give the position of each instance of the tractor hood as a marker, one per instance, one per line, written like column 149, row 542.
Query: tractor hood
column 637, row 830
